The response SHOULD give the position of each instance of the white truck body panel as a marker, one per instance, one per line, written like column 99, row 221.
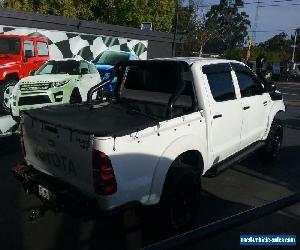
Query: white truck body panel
column 141, row 159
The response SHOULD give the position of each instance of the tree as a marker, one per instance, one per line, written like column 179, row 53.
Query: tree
column 134, row 12
column 279, row 42
column 230, row 25
column 121, row 12
column 192, row 24
column 68, row 8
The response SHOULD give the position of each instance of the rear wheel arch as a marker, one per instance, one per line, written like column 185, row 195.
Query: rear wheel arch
column 192, row 152
column 192, row 158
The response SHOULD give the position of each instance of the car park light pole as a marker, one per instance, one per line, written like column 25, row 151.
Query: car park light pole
column 294, row 48
column 175, row 28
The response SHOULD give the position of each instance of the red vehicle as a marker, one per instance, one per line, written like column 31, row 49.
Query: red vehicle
column 19, row 56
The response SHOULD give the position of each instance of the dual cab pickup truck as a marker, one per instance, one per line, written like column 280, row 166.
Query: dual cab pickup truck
column 169, row 122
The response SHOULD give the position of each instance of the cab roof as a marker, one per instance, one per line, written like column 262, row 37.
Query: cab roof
column 202, row 60
column 24, row 36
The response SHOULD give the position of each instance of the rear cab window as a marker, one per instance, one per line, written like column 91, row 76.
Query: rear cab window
column 157, row 83
column 220, row 81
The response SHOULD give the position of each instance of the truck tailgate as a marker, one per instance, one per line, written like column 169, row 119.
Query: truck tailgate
column 59, row 152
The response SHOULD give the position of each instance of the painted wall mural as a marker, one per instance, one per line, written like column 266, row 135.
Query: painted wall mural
column 68, row 44
column 61, row 45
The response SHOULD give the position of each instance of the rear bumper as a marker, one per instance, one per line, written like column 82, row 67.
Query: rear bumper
column 63, row 197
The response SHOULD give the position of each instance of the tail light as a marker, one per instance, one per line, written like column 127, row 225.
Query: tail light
column 22, row 139
column 104, row 177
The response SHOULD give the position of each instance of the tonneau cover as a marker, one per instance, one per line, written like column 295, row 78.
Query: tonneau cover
column 112, row 119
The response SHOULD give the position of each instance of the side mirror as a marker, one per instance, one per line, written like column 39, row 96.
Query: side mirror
column 84, row 71
column 269, row 86
column 32, row 73
column 28, row 53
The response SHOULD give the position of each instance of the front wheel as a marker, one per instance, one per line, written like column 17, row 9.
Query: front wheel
column 273, row 144
column 181, row 197
column 6, row 89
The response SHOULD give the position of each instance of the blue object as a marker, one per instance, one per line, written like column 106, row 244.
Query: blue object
column 106, row 61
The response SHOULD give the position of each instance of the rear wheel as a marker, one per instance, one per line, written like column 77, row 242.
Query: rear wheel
column 6, row 89
column 273, row 144
column 181, row 197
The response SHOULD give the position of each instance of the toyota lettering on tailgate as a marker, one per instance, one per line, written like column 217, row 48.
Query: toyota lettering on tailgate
column 57, row 160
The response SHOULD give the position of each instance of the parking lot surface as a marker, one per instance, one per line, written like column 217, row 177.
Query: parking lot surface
column 243, row 186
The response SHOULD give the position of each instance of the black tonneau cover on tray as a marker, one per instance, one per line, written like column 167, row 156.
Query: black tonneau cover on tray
column 113, row 119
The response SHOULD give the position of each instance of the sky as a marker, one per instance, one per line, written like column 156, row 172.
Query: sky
column 271, row 19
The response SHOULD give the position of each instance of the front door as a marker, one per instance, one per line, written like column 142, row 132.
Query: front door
column 226, row 114
column 30, row 61
column 255, row 106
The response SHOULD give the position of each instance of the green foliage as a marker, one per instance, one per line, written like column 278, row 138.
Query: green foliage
column 235, row 54
column 271, row 56
column 230, row 24
column 277, row 43
column 121, row 12
column 134, row 12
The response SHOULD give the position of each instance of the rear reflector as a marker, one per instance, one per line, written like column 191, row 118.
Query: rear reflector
column 104, row 177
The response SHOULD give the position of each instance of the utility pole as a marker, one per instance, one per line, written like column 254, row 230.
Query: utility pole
column 175, row 28
column 255, row 22
column 294, row 48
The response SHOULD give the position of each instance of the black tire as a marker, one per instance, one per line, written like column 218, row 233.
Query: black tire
column 273, row 144
column 181, row 198
column 5, row 92
column 75, row 96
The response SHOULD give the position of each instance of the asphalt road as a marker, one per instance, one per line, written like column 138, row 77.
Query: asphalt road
column 243, row 186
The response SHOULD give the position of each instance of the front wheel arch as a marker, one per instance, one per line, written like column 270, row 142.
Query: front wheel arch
column 5, row 95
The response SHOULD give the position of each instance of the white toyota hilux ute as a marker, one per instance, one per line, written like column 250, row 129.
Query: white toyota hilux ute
column 169, row 122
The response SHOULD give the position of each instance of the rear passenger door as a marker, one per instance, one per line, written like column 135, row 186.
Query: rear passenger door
column 255, row 105
column 225, row 109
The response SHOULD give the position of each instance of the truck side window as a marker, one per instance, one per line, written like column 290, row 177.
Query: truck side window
column 28, row 48
column 42, row 49
column 249, row 86
column 221, row 86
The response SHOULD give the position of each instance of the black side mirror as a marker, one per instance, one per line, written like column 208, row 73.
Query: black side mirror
column 84, row 71
column 32, row 73
column 269, row 86
column 28, row 53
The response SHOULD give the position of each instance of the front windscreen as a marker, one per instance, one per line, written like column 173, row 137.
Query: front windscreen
column 70, row 67
column 9, row 45
column 111, row 58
